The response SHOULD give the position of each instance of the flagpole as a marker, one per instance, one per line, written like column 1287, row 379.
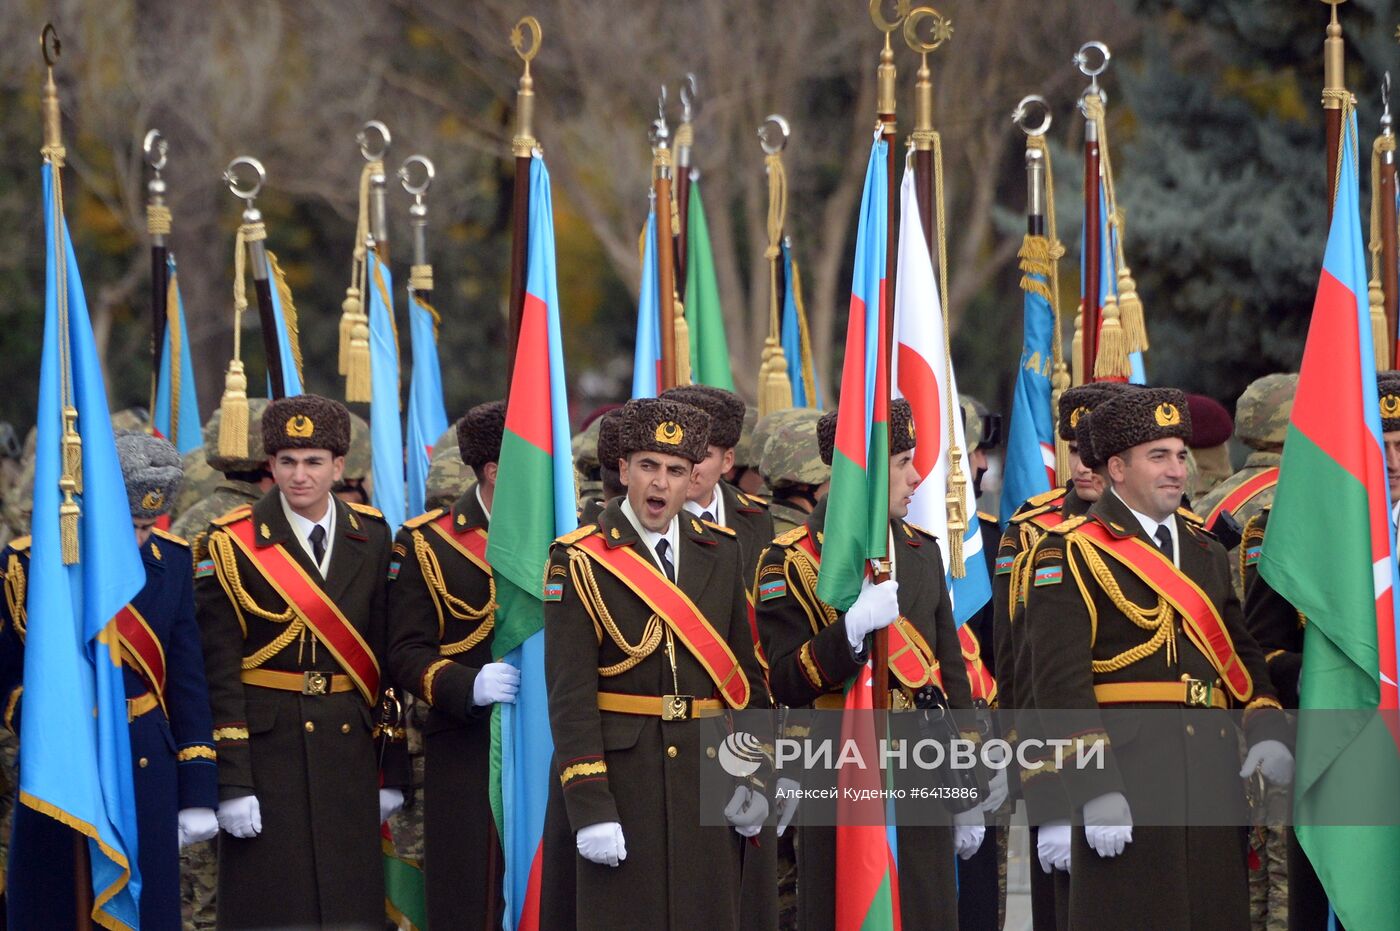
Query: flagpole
column 1390, row 249
column 253, row 235
column 1092, row 242
column 420, row 275
column 157, row 227
column 685, row 139
column 523, row 147
column 1333, row 91
column 665, row 269
column 774, row 386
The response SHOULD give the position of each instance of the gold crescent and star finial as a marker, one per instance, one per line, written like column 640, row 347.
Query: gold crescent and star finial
column 526, row 50
column 940, row 29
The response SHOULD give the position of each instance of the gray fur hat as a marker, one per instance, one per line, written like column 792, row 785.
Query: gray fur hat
column 152, row 470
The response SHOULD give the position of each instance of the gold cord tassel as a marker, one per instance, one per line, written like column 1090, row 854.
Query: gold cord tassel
column 1111, row 362
column 68, row 525
column 957, row 518
column 348, row 309
column 1059, row 384
column 774, row 387
column 289, row 310
column 682, row 345
column 1379, row 329
column 233, row 406
column 1077, row 348
column 70, row 483
column 1130, row 312
column 354, row 321
column 72, row 449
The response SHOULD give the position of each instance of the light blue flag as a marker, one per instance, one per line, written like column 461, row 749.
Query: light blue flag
column 291, row 375
column 1030, row 440
column 427, row 417
column 385, row 414
column 176, row 416
column 1108, row 280
column 75, row 765
column 792, row 340
column 646, row 358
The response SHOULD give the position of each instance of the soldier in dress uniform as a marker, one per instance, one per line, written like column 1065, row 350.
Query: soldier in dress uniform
column 245, row 479
column 292, row 601
column 172, row 750
column 646, row 630
column 1131, row 605
column 813, row 650
column 792, row 466
column 609, row 456
column 442, row 609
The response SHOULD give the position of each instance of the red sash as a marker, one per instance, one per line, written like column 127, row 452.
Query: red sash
column 1048, row 520
column 978, row 675
column 753, row 629
column 312, row 605
column 1248, row 489
column 142, row 647
column 470, row 543
column 679, row 613
column 911, row 659
column 1201, row 620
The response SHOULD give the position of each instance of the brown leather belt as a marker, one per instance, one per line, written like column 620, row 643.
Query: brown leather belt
column 665, row 707
column 135, row 707
column 836, row 701
column 307, row 683
column 1193, row 693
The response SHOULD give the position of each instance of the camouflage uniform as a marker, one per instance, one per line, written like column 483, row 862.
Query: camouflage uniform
column 200, row 481
column 587, row 480
column 1261, row 422
column 448, row 476
column 748, row 452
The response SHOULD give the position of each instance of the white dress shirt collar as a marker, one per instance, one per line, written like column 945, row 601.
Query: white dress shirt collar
column 484, row 509
column 301, row 526
column 650, row 537
column 715, row 507
column 1150, row 527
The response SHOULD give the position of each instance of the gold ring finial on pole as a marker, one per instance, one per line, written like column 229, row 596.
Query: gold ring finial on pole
column 940, row 29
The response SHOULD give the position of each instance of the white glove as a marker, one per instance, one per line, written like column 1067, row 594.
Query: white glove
column 969, row 829
column 1272, row 759
column 1052, row 846
column 602, row 843
column 1108, row 824
column 241, row 817
column 787, row 802
column 496, row 682
column 197, row 824
column 390, row 801
column 996, row 792
column 747, row 810
column 877, row 607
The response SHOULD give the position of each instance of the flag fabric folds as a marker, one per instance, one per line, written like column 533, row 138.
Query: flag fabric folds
column 923, row 375
column 646, row 357
column 176, row 414
column 75, row 765
column 535, row 452
column 427, row 418
column 796, row 349
column 857, row 524
column 1030, row 440
column 385, row 423
column 283, row 317
column 704, row 316
column 1333, row 557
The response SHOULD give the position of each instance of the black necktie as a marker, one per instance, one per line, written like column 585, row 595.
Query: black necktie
column 663, row 547
column 1164, row 542
column 318, row 544
column 706, row 515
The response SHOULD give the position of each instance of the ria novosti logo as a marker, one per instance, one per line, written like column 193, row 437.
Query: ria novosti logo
column 741, row 754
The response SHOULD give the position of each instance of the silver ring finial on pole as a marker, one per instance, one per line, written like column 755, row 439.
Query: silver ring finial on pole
column 773, row 133
column 374, row 154
column 248, row 193
column 1026, row 108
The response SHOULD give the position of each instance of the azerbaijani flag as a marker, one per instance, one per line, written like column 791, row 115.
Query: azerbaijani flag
column 1030, row 441
column 709, row 347
column 75, row 761
column 427, row 418
column 646, row 357
column 923, row 375
column 1333, row 557
column 857, row 530
column 858, row 505
column 385, row 425
column 535, row 452
column 176, row 416
column 797, row 348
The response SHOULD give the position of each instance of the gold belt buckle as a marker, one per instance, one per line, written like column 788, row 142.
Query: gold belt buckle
column 676, row 707
column 315, row 683
column 1197, row 693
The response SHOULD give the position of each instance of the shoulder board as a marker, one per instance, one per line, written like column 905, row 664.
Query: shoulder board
column 989, row 518
column 1067, row 525
column 239, row 513
column 170, row 537
column 752, row 500
column 21, row 544
column 414, row 523
column 720, row 528
column 913, row 526
column 1027, row 512
column 1199, row 530
column 577, row 535
column 1045, row 497
column 366, row 510
column 788, row 538
column 1192, row 516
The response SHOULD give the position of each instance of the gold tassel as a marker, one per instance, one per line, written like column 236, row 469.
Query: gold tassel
column 1379, row 329
column 957, row 518
column 1077, row 348
column 68, row 525
column 1111, row 361
column 289, row 310
column 233, row 416
column 683, row 373
column 358, row 386
column 1131, row 313
column 72, row 449
column 774, row 389
column 1059, row 383
column 349, row 308
column 70, row 483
